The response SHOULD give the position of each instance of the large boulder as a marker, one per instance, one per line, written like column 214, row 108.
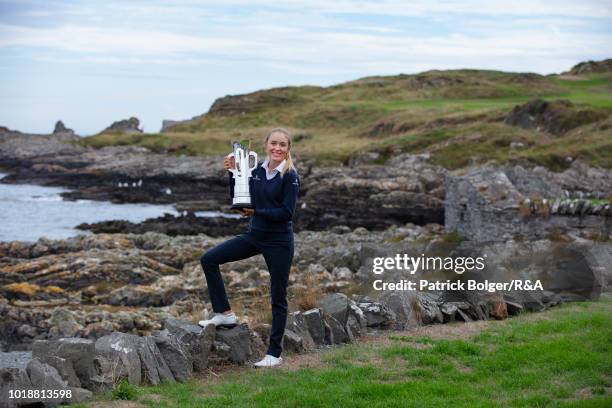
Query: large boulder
column 316, row 325
column 197, row 341
column 176, row 353
column 402, row 304
column 13, row 376
column 133, row 357
column 80, row 353
column 235, row 343
column 296, row 322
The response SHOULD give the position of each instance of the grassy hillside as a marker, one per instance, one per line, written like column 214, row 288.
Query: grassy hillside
column 457, row 116
column 558, row 358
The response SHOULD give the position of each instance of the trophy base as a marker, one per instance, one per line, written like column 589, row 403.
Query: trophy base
column 241, row 206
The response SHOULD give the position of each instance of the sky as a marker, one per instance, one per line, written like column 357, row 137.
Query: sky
column 90, row 63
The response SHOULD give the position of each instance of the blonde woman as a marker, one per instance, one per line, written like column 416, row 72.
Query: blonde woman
column 274, row 188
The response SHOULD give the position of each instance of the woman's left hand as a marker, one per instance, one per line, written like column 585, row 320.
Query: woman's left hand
column 246, row 212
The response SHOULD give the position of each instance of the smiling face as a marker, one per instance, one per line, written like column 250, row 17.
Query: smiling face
column 277, row 147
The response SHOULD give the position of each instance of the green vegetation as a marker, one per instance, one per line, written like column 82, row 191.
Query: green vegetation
column 558, row 358
column 456, row 115
column 124, row 391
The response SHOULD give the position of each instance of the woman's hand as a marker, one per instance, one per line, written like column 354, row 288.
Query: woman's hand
column 246, row 212
column 229, row 162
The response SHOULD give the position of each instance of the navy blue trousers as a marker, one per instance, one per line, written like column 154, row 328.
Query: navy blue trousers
column 277, row 250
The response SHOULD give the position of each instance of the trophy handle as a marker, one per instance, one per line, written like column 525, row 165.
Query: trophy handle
column 252, row 153
column 232, row 170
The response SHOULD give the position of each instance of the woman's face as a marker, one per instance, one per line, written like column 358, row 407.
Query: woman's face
column 277, row 146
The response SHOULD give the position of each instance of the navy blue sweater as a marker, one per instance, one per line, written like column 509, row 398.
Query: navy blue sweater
column 274, row 200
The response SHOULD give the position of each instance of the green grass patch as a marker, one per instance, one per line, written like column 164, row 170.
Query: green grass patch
column 558, row 358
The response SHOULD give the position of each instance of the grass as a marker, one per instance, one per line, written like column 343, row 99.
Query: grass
column 559, row 358
column 339, row 119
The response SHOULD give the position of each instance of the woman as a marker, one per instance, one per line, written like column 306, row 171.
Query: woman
column 274, row 188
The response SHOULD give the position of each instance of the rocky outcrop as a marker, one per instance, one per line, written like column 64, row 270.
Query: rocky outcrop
column 556, row 117
column 406, row 189
column 172, row 225
column 130, row 125
column 60, row 128
column 497, row 204
column 591, row 67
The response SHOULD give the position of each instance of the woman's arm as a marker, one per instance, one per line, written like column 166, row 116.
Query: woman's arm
column 291, row 188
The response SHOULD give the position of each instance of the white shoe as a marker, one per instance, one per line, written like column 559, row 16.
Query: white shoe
column 220, row 319
column 269, row 361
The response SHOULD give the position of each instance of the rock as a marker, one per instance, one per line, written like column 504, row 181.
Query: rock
column 60, row 128
column 590, row 67
column 292, row 342
column 155, row 367
column 63, row 324
column 238, row 340
column 44, row 377
column 336, row 305
column 122, row 358
column 402, row 304
column 556, row 117
column 335, row 332
column 377, row 314
column 372, row 196
column 342, row 273
column 15, row 379
column 448, row 312
column 498, row 198
column 64, row 369
column 80, row 395
column 316, row 326
column 125, row 126
column 176, row 354
column 429, row 310
column 80, row 353
column 263, row 330
column 513, row 308
column 296, row 322
column 196, row 339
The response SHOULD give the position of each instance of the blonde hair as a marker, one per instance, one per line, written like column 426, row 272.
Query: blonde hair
column 289, row 161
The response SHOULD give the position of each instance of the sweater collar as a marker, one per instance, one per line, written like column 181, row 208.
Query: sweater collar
column 278, row 168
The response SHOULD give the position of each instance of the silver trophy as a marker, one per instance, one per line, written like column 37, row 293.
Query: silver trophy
column 242, row 172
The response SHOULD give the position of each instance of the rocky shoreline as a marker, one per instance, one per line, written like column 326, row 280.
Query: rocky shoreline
column 71, row 308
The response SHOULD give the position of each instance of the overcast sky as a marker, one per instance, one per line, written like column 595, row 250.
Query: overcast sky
column 90, row 63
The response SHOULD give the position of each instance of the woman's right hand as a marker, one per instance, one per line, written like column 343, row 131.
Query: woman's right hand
column 229, row 162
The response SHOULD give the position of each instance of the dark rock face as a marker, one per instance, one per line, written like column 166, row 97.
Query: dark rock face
column 125, row 126
column 406, row 189
column 172, row 225
column 556, row 117
column 60, row 128
column 234, row 343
